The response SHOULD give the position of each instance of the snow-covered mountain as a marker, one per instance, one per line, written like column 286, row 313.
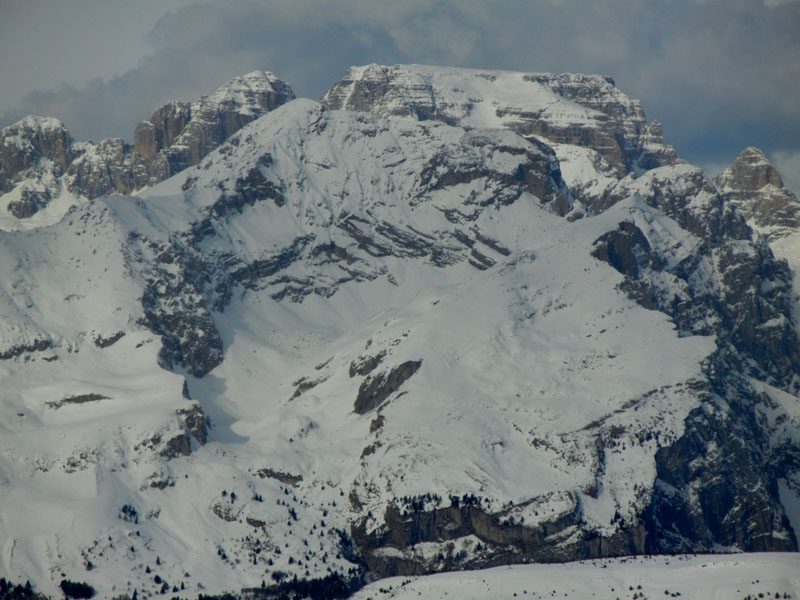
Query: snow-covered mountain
column 443, row 319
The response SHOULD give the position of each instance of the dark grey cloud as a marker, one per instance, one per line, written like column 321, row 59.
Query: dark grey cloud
column 720, row 74
column 44, row 44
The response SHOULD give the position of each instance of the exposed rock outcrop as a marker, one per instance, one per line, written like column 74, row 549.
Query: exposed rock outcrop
column 750, row 172
column 177, row 136
column 26, row 143
column 111, row 167
column 173, row 304
column 754, row 185
column 626, row 249
column 194, row 419
column 698, row 500
column 162, row 129
column 213, row 119
column 34, row 154
column 377, row 388
column 465, row 535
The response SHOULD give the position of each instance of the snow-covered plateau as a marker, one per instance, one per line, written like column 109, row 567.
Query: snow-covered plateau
column 441, row 320
column 715, row 577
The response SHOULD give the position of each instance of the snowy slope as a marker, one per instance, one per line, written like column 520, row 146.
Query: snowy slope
column 690, row 577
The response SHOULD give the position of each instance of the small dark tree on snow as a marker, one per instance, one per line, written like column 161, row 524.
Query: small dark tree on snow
column 75, row 589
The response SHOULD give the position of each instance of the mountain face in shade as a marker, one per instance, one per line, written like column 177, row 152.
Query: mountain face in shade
column 442, row 319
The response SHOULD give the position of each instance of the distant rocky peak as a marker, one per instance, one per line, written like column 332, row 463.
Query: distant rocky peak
column 755, row 186
column 388, row 91
column 251, row 94
column 178, row 135
column 584, row 110
column 186, row 133
column 38, row 136
column 213, row 117
column 37, row 123
column 750, row 171
column 27, row 141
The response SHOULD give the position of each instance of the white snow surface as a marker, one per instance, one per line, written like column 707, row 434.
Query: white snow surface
column 703, row 577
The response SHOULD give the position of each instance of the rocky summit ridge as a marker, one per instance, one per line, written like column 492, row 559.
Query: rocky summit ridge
column 582, row 110
column 39, row 160
column 442, row 319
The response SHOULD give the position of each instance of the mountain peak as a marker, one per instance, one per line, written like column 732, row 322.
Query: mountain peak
column 755, row 186
column 587, row 110
column 30, row 140
column 38, row 122
column 750, row 171
column 250, row 94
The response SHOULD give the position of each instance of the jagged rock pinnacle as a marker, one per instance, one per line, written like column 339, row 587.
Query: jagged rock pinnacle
column 754, row 185
column 750, row 171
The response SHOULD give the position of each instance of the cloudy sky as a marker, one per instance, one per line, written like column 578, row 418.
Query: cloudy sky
column 719, row 74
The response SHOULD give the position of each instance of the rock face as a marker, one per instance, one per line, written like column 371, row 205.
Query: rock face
column 757, row 190
column 38, row 151
column 374, row 390
column 494, row 539
column 26, row 143
column 163, row 128
column 111, row 167
column 750, row 172
column 185, row 133
column 34, row 154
